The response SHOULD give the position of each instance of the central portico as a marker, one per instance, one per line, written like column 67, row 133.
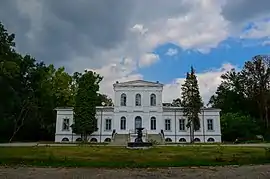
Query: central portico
column 139, row 103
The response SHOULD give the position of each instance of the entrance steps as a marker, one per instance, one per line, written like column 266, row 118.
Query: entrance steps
column 156, row 137
column 119, row 139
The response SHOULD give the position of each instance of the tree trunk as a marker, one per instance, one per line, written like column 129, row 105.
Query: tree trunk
column 19, row 122
column 191, row 132
column 266, row 117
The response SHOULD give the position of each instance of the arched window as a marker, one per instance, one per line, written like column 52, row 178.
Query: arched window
column 123, row 99
column 93, row 140
column 197, row 140
column 65, row 139
column 210, row 140
column 168, row 140
column 153, row 100
column 153, row 123
column 107, row 140
column 182, row 140
column 123, row 123
column 138, row 122
column 79, row 139
column 138, row 100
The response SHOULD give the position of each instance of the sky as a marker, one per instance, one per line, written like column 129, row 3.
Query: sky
column 153, row 40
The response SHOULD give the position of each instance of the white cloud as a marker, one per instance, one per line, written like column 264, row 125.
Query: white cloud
column 172, row 52
column 148, row 59
column 259, row 30
column 200, row 29
column 139, row 28
column 266, row 43
column 208, row 83
column 117, row 49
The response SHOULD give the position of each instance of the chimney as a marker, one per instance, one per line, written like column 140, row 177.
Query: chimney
column 157, row 81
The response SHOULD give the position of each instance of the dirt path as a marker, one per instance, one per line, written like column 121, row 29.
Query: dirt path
column 262, row 171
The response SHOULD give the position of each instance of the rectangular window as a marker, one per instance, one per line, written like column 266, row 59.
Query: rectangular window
column 65, row 126
column 182, row 126
column 153, row 124
column 210, row 126
column 108, row 124
column 167, row 124
column 123, row 124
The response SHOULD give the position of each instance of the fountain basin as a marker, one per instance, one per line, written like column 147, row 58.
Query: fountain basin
column 139, row 144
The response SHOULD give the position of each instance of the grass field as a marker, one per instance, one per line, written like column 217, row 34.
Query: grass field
column 94, row 156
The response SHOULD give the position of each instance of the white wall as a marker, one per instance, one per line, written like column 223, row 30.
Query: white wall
column 107, row 113
column 145, row 97
column 61, row 114
column 131, row 111
column 169, row 113
column 130, row 118
column 203, row 134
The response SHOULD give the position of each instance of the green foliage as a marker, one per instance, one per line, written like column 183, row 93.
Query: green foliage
column 232, row 122
column 176, row 102
column 246, row 92
column 191, row 102
column 29, row 93
column 85, row 104
column 102, row 98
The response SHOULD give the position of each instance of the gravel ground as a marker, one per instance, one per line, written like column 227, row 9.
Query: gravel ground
column 262, row 171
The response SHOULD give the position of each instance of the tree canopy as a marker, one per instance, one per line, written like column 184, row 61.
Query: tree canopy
column 30, row 91
column 85, row 104
column 246, row 92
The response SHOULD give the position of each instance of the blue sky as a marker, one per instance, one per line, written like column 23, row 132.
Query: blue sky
column 233, row 51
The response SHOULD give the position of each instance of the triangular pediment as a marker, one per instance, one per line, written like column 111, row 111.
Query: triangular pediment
column 138, row 83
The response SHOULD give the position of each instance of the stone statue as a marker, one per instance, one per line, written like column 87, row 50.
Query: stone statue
column 139, row 135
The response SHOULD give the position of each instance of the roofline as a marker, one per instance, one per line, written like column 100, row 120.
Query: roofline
column 123, row 83
column 64, row 108
column 104, row 107
column 112, row 107
column 72, row 108
column 203, row 109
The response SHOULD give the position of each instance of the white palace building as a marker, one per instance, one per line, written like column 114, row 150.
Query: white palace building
column 139, row 104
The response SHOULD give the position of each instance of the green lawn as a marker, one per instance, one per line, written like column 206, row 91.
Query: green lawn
column 94, row 156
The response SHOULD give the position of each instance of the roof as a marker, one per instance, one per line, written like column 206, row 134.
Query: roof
column 181, row 108
column 138, row 83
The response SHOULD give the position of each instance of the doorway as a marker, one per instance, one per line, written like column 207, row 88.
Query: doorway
column 138, row 122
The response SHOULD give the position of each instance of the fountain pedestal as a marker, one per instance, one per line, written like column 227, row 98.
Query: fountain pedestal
column 138, row 141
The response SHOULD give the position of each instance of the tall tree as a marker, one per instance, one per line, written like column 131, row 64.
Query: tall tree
column 85, row 104
column 103, row 98
column 257, row 80
column 191, row 102
column 247, row 92
column 176, row 102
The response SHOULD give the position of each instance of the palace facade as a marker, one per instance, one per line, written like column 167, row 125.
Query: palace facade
column 139, row 104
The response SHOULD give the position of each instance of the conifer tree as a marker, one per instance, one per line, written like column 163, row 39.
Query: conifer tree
column 191, row 102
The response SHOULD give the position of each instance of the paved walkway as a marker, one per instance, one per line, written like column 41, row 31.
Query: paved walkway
column 234, row 172
column 30, row 144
